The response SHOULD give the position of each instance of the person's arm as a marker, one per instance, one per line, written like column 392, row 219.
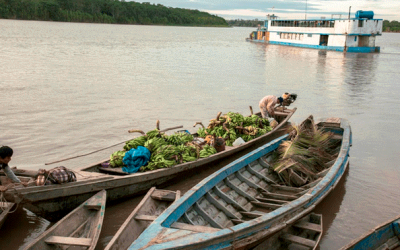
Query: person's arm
column 10, row 174
column 270, row 108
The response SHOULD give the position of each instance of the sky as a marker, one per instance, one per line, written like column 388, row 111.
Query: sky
column 287, row 9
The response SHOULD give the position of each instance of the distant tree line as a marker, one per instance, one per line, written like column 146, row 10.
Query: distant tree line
column 392, row 26
column 245, row 23
column 105, row 11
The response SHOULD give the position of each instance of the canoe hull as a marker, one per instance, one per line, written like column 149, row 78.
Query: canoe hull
column 81, row 228
column 247, row 233
column 151, row 206
column 385, row 236
column 54, row 201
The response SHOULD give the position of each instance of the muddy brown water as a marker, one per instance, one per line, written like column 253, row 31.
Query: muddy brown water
column 69, row 89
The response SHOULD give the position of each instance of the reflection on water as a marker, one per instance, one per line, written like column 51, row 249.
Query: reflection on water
column 20, row 228
column 330, row 208
column 71, row 88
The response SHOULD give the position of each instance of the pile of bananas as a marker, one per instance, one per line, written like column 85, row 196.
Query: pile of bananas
column 207, row 150
column 166, row 150
column 234, row 125
column 116, row 159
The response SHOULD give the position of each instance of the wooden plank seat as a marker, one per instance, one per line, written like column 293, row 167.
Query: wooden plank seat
column 266, row 205
column 298, row 240
column 163, row 195
column 72, row 241
column 279, row 202
column 308, row 226
column 279, row 196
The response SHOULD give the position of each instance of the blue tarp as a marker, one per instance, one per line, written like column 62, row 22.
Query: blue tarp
column 135, row 158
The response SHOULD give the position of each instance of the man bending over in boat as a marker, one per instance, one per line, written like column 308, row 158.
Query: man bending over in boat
column 5, row 157
column 267, row 104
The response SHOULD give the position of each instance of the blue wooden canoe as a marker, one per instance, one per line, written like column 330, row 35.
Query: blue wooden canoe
column 241, row 205
column 385, row 236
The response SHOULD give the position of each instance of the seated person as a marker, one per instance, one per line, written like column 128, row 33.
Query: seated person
column 5, row 157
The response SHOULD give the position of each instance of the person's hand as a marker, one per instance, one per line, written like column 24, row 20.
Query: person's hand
column 3, row 188
column 25, row 184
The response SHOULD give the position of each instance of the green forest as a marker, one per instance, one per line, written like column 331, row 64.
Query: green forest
column 106, row 11
column 392, row 26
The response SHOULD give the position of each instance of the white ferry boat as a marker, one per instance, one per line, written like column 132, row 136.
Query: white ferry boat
column 348, row 35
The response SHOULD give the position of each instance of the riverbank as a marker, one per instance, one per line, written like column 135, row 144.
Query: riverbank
column 107, row 11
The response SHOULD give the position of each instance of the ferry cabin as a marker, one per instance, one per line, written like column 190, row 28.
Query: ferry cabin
column 348, row 35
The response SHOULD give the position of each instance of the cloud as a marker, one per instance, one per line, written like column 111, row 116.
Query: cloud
column 286, row 9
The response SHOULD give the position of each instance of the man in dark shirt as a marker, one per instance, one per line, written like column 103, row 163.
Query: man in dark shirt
column 5, row 157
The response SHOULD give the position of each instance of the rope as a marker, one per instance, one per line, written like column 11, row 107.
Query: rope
column 3, row 199
column 49, row 163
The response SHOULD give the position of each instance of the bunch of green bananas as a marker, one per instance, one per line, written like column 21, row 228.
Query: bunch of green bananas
column 178, row 138
column 231, row 135
column 116, row 159
column 233, row 120
column 139, row 141
column 153, row 133
column 154, row 143
column 207, row 151
column 187, row 153
column 157, row 161
column 201, row 132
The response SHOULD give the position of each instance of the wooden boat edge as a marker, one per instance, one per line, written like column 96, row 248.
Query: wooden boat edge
column 370, row 232
column 137, row 177
column 102, row 193
column 307, row 202
column 131, row 221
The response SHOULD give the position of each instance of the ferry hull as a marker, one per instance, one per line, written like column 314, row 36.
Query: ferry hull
column 334, row 48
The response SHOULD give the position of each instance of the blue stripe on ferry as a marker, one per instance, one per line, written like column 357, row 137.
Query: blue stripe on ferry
column 363, row 49
column 335, row 48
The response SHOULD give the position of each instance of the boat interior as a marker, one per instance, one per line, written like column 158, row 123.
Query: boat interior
column 248, row 193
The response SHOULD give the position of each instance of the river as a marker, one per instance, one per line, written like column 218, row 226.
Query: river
column 72, row 88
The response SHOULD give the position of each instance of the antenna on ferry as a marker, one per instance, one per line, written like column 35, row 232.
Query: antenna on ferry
column 349, row 12
column 305, row 16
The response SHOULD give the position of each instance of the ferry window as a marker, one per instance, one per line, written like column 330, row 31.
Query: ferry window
column 355, row 39
column 360, row 23
column 309, row 35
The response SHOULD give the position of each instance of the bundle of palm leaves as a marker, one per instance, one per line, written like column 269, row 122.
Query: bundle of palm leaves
column 305, row 154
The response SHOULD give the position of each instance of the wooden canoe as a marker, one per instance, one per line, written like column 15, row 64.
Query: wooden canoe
column 385, row 236
column 304, row 234
column 241, row 205
column 54, row 201
column 80, row 229
column 151, row 206
column 5, row 208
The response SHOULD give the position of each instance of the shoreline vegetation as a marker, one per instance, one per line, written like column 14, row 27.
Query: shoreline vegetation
column 106, row 11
